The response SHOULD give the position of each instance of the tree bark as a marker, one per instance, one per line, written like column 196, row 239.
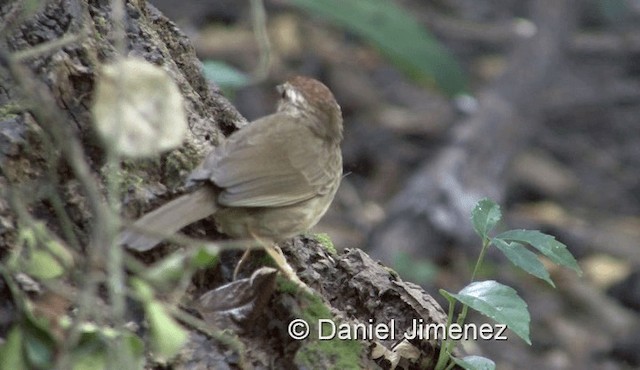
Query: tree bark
column 49, row 66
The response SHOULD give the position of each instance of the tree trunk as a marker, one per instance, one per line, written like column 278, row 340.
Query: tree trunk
column 53, row 171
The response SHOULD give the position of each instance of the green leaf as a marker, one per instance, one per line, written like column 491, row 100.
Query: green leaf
column 205, row 257
column 613, row 10
column 11, row 351
column 420, row 271
column 134, row 346
column 546, row 244
column 398, row 35
column 448, row 296
column 475, row 363
column 42, row 256
column 167, row 336
column 224, row 75
column 498, row 302
column 92, row 349
column 144, row 291
column 168, row 270
column 39, row 345
column 90, row 353
column 485, row 216
column 42, row 265
column 523, row 258
column 48, row 260
column 177, row 266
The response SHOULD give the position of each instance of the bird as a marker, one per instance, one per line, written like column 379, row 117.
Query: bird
column 270, row 180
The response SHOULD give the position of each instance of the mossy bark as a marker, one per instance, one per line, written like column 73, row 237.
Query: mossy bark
column 348, row 287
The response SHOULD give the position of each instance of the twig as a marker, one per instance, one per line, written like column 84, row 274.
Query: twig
column 47, row 47
column 259, row 21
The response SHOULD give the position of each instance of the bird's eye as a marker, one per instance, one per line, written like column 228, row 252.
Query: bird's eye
column 282, row 89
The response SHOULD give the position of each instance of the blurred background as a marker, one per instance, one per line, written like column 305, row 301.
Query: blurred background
column 534, row 103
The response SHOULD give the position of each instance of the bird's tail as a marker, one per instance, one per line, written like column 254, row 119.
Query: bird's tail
column 152, row 228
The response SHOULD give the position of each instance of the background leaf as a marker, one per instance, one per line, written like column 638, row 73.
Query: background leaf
column 398, row 35
column 39, row 344
column 224, row 75
column 11, row 351
column 418, row 270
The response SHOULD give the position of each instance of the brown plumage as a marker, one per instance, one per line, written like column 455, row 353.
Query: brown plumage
column 273, row 179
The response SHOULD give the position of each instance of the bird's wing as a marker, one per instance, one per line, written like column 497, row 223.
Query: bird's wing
column 262, row 165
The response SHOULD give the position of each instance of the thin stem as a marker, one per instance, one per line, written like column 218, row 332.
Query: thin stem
column 447, row 344
column 66, row 225
column 113, row 252
column 118, row 20
column 483, row 252
column 48, row 47
column 259, row 20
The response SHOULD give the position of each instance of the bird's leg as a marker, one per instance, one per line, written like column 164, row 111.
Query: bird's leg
column 276, row 254
column 274, row 251
column 243, row 259
column 279, row 258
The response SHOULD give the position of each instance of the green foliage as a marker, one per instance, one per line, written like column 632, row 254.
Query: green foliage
column 340, row 353
column 29, row 345
column 10, row 110
column 11, row 351
column 475, row 363
column 38, row 343
column 92, row 351
column 398, row 35
column 228, row 78
column 287, row 286
column 524, row 258
column 343, row 353
column 545, row 244
column 498, row 302
column 205, row 258
column 613, row 10
column 167, row 336
column 484, row 217
column 420, row 271
column 325, row 240
column 72, row 257
column 492, row 299
column 180, row 266
column 168, row 270
column 39, row 255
